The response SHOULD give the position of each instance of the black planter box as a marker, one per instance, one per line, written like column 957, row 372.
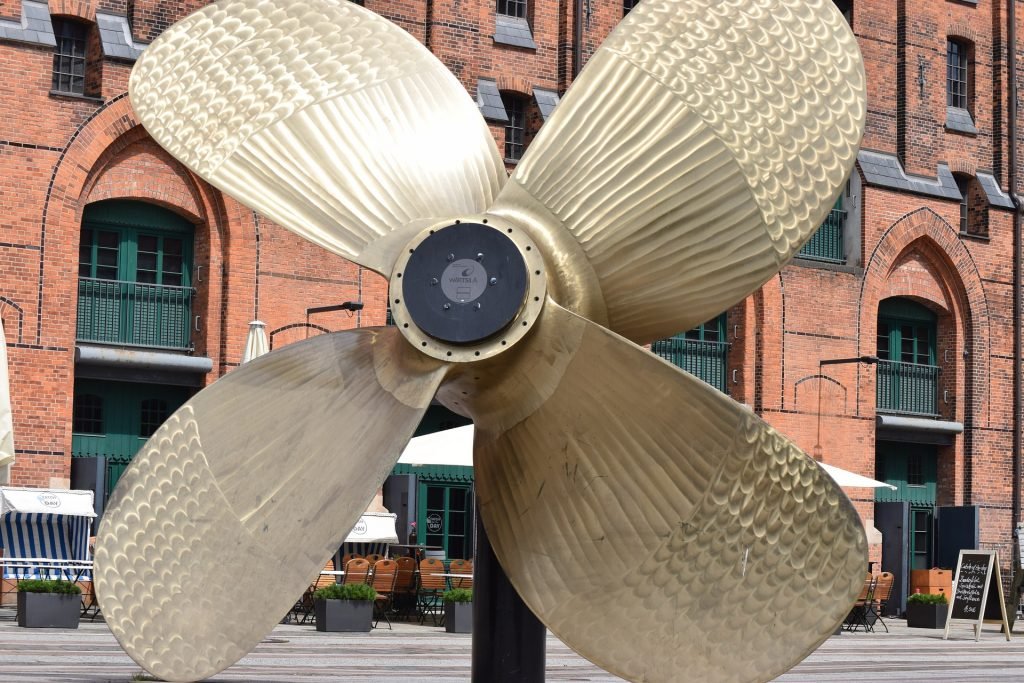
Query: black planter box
column 926, row 616
column 49, row 610
column 349, row 616
column 458, row 617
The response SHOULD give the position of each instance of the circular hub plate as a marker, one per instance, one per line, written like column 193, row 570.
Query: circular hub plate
column 468, row 289
column 464, row 283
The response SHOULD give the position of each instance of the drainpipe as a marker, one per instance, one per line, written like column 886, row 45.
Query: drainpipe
column 1011, row 67
column 577, row 38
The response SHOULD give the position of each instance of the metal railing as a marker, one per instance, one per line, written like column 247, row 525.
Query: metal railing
column 907, row 388
column 705, row 359
column 826, row 244
column 134, row 313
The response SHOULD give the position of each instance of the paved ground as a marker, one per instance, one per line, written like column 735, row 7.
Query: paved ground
column 299, row 654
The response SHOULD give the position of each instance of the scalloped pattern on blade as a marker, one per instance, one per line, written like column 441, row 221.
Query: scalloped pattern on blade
column 321, row 115
column 637, row 501
column 703, row 144
column 247, row 490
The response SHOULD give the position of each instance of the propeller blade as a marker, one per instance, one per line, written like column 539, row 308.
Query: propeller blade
column 243, row 495
column 321, row 115
column 702, row 145
column 636, row 496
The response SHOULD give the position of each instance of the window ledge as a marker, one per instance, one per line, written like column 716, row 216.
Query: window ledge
column 513, row 31
column 76, row 96
column 960, row 121
column 973, row 237
column 825, row 265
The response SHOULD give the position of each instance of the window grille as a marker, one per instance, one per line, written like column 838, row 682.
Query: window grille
column 512, row 8
column 87, row 414
column 515, row 129
column 69, row 57
column 956, row 74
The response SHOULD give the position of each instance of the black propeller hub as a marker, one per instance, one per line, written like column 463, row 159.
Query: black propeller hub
column 464, row 283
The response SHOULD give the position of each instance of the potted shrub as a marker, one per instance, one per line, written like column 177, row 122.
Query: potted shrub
column 346, row 607
column 458, row 610
column 45, row 603
column 927, row 610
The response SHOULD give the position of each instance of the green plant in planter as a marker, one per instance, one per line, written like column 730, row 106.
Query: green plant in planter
column 927, row 599
column 346, row 591
column 459, row 595
column 48, row 586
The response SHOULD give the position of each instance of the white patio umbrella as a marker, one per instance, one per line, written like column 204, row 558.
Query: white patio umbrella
column 256, row 343
column 6, row 421
column 852, row 480
column 447, row 447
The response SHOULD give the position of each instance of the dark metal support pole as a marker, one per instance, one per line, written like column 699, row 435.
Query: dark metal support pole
column 1011, row 97
column 508, row 640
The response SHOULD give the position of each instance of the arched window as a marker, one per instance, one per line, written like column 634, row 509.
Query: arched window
column 907, row 371
column 135, row 275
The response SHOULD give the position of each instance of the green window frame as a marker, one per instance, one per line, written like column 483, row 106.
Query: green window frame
column 907, row 374
column 135, row 275
column 702, row 351
column 445, row 517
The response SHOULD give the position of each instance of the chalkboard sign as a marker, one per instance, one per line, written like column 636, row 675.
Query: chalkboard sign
column 977, row 592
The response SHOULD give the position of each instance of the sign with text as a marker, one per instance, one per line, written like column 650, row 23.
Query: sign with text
column 977, row 592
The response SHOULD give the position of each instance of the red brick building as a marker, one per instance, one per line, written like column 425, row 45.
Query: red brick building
column 126, row 283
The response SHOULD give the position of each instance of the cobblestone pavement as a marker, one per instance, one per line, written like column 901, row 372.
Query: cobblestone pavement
column 299, row 654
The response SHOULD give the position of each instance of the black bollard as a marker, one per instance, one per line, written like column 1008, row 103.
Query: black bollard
column 508, row 640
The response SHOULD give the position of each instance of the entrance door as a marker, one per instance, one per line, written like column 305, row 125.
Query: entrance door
column 446, row 517
column 893, row 520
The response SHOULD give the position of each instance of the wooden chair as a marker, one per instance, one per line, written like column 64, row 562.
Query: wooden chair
column 858, row 614
column 303, row 608
column 877, row 603
column 461, row 567
column 404, row 599
column 357, row 571
column 373, row 558
column 430, row 588
column 385, row 572
column 349, row 556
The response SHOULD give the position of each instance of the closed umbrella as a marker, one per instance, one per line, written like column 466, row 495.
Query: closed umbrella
column 256, row 343
column 851, row 480
column 6, row 421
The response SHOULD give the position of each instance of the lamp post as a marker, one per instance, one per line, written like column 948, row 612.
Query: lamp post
column 868, row 360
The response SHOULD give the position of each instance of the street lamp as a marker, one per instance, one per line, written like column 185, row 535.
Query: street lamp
column 868, row 360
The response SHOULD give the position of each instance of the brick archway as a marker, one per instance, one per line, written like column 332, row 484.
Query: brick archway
column 102, row 143
column 923, row 258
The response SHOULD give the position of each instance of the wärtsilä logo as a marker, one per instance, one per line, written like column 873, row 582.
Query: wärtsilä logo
column 466, row 277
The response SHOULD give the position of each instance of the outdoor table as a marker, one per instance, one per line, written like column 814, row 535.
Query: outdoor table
column 70, row 570
column 460, row 577
column 332, row 572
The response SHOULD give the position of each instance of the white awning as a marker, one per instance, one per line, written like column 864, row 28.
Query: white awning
column 374, row 527
column 46, row 501
column 448, row 447
column 852, row 480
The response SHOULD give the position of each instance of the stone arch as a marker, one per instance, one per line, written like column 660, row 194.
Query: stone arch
column 923, row 234
column 296, row 326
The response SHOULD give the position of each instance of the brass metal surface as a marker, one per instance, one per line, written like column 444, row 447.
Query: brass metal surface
column 321, row 115
column 656, row 526
column 652, row 523
column 238, row 500
column 701, row 146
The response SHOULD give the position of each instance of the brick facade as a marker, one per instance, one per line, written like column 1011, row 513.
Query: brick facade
column 59, row 153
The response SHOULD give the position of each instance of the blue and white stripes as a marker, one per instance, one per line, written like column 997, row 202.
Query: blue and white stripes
column 42, row 535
